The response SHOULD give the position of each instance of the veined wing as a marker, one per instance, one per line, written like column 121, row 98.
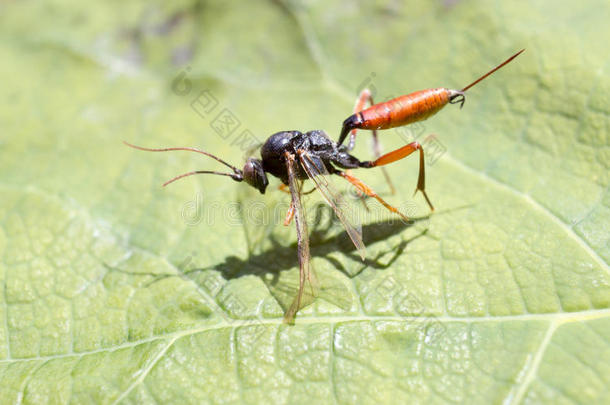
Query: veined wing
column 305, row 269
column 325, row 185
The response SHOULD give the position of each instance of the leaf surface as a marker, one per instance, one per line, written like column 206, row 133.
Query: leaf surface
column 118, row 290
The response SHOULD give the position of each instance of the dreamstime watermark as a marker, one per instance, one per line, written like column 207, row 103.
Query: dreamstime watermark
column 230, row 306
column 261, row 213
column 228, row 127
column 407, row 305
column 234, row 311
column 218, row 117
column 433, row 147
column 210, row 287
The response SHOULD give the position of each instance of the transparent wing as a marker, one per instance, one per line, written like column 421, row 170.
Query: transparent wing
column 305, row 270
column 324, row 183
column 252, row 150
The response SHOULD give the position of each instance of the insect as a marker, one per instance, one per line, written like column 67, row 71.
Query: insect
column 294, row 156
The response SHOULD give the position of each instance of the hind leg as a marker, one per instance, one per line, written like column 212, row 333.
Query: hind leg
column 365, row 95
column 401, row 153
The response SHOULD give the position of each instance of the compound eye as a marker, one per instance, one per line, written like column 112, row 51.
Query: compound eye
column 254, row 175
column 249, row 171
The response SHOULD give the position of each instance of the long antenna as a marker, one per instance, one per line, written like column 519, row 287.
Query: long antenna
column 492, row 70
column 187, row 149
column 235, row 177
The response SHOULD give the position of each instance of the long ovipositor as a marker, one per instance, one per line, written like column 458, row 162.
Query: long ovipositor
column 409, row 108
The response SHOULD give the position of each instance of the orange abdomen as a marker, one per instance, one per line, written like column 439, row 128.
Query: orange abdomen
column 404, row 110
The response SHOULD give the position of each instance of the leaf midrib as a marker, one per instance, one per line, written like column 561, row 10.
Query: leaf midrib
column 560, row 318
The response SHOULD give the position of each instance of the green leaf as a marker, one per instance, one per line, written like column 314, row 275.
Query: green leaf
column 118, row 290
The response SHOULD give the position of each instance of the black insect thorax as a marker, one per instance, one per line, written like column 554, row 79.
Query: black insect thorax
column 316, row 143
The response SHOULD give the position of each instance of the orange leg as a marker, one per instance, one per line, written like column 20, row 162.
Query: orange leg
column 359, row 194
column 290, row 212
column 401, row 153
column 369, row 191
column 289, row 215
column 284, row 188
column 365, row 95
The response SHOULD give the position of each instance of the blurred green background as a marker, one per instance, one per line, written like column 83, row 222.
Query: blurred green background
column 118, row 290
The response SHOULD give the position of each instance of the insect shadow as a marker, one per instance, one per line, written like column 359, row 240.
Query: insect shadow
column 323, row 243
column 271, row 264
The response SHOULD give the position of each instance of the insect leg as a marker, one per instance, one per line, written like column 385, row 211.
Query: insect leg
column 365, row 95
column 289, row 214
column 377, row 154
column 369, row 192
column 401, row 153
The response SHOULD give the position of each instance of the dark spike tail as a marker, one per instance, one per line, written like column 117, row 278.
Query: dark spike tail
column 492, row 70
